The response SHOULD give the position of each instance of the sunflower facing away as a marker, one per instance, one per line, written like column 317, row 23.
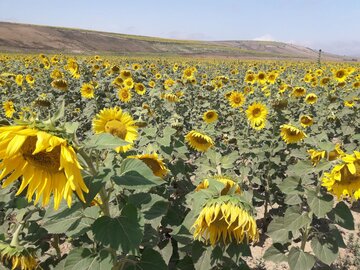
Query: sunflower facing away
column 46, row 163
column 117, row 123
column 17, row 257
column 256, row 114
column 291, row 134
column 155, row 163
column 225, row 220
column 344, row 179
column 199, row 141
column 210, row 116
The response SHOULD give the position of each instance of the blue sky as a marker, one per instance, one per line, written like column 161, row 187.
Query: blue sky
column 333, row 26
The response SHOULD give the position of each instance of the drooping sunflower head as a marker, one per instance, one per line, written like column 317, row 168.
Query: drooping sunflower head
column 311, row 98
column 344, row 179
column 210, row 116
column 225, row 220
column 154, row 162
column 117, row 123
column 306, row 121
column 236, row 99
column 46, row 163
column 124, row 95
column 229, row 183
column 87, row 91
column 291, row 134
column 256, row 114
column 17, row 257
column 199, row 141
column 316, row 156
column 59, row 84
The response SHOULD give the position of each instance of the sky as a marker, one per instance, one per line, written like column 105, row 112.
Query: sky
column 330, row 25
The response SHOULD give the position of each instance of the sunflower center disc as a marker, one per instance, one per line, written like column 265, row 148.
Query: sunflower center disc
column 49, row 161
column 116, row 128
column 152, row 163
column 256, row 112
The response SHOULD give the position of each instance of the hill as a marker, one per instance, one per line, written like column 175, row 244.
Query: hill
column 16, row 37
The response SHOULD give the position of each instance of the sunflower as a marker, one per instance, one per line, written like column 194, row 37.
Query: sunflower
column 56, row 74
column 225, row 219
column 136, row 66
column 118, row 81
column 227, row 181
column 349, row 103
column 8, row 107
column 250, row 78
column 344, row 178
column 60, row 84
column 291, row 134
column 316, row 156
column 170, row 97
column 168, row 83
column 128, row 83
column 155, row 163
column 124, row 95
column 46, row 163
column 236, row 99
column 324, row 81
column 299, row 92
column 311, row 98
column 140, row 88
column 210, row 116
column 256, row 114
column 117, row 123
column 306, row 121
column 340, row 75
column 152, row 84
column 17, row 257
column 30, row 80
column 87, row 91
column 199, row 141
column 19, row 79
column 261, row 77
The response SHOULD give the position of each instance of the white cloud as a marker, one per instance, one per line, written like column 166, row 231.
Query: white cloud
column 266, row 37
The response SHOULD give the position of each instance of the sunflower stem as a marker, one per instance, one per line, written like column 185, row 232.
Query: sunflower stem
column 15, row 237
column 55, row 245
column 304, row 238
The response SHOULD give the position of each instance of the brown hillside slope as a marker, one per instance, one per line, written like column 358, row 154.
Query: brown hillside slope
column 34, row 38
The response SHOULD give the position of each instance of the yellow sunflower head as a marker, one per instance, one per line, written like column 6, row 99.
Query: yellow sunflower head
column 87, row 91
column 117, row 123
column 125, row 74
column 199, row 141
column 291, row 134
column 225, row 220
column 128, row 83
column 8, row 107
column 299, row 92
column 140, row 88
column 60, row 84
column 256, row 114
column 124, row 95
column 340, row 75
column 210, row 116
column 17, row 257
column 344, row 179
column 154, row 162
column 152, row 84
column 19, row 79
column 227, row 181
column 46, row 163
column 236, row 99
column 311, row 98
column 306, row 121
column 316, row 156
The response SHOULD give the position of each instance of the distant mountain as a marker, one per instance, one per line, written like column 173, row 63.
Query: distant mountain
column 16, row 37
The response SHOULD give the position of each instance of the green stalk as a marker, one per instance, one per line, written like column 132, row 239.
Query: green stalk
column 15, row 237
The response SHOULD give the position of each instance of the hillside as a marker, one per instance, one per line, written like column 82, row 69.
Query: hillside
column 34, row 38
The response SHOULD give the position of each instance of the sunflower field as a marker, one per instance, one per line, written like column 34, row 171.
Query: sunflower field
column 124, row 163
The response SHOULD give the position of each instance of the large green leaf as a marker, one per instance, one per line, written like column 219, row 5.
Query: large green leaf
column 325, row 249
column 290, row 185
column 321, row 204
column 342, row 216
column 122, row 233
column 278, row 230
column 300, row 260
column 104, row 141
column 275, row 254
column 135, row 174
column 296, row 219
column 151, row 260
column 84, row 259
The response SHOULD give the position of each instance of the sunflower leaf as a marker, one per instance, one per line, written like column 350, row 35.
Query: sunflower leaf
column 84, row 259
column 104, row 141
column 300, row 260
